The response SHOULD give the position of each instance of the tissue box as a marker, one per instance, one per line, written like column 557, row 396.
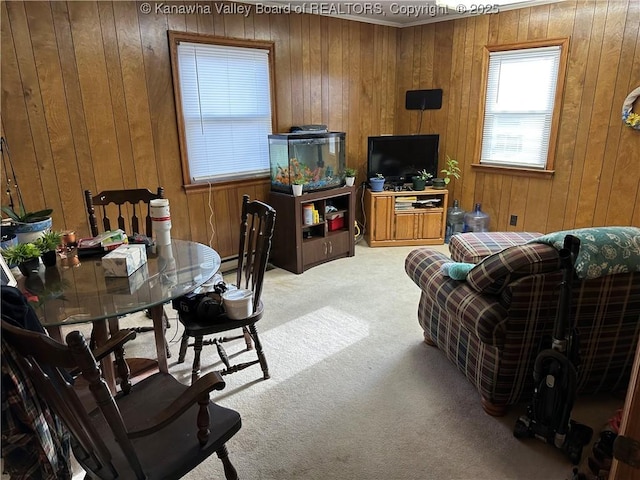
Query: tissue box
column 127, row 285
column 124, row 260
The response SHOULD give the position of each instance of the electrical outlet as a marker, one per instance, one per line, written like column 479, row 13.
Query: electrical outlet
column 513, row 221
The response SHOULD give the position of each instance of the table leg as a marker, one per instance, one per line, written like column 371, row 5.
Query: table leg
column 159, row 329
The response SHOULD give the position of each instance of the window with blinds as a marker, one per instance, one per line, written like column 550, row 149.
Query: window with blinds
column 225, row 100
column 519, row 111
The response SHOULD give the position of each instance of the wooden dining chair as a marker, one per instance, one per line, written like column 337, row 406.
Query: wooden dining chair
column 161, row 429
column 133, row 217
column 132, row 206
column 256, row 231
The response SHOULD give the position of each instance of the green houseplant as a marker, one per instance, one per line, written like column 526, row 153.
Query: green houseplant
column 451, row 170
column 47, row 244
column 420, row 180
column 350, row 176
column 25, row 255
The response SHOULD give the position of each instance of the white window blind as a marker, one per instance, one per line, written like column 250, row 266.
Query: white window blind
column 226, row 106
column 521, row 88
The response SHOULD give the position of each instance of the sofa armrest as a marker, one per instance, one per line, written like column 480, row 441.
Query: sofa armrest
column 479, row 313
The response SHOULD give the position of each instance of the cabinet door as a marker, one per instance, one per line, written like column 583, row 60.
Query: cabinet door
column 430, row 225
column 383, row 211
column 338, row 244
column 314, row 251
column 405, row 226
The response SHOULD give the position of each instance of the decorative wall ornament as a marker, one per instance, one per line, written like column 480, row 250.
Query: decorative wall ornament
column 629, row 118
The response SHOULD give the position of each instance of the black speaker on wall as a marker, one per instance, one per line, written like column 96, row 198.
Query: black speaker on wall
column 424, row 99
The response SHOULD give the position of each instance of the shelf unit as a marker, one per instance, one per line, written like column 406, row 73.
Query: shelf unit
column 298, row 246
column 406, row 218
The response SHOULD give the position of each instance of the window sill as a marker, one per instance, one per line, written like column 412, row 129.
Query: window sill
column 204, row 187
column 516, row 171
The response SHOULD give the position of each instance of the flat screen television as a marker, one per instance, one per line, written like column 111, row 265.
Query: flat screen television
column 400, row 157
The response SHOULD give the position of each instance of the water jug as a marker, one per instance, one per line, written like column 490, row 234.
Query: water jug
column 455, row 220
column 476, row 221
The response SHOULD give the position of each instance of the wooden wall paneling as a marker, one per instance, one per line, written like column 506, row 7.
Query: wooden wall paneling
column 426, row 81
column 576, row 188
column 162, row 112
column 305, row 67
column 443, row 49
column 211, row 24
column 524, row 16
column 467, row 103
column 454, row 108
column 64, row 174
column 233, row 24
column 346, row 95
column 356, row 141
column 115, row 70
column 513, row 26
column 335, row 75
column 81, row 154
column 367, row 83
column 630, row 24
column 224, row 220
column 261, row 26
column 404, row 78
column 538, row 22
column 297, row 65
column 565, row 169
column 284, row 71
column 136, row 94
column 594, row 162
column 15, row 123
column 36, row 177
column 94, row 85
column 315, row 69
column 389, row 107
column 623, row 203
column 415, row 81
column 323, row 41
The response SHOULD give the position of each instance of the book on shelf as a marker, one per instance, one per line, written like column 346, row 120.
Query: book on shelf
column 408, row 199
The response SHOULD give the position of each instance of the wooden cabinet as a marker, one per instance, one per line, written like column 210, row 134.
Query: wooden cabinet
column 405, row 218
column 298, row 245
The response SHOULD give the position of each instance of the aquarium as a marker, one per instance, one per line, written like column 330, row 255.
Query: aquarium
column 315, row 160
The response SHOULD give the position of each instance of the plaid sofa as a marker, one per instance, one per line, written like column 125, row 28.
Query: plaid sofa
column 493, row 325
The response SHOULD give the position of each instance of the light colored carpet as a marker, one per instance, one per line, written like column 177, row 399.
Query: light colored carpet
column 356, row 394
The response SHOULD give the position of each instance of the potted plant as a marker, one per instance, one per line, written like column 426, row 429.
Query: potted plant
column 25, row 255
column 451, row 170
column 48, row 244
column 296, row 187
column 28, row 225
column 420, row 180
column 377, row 183
column 349, row 176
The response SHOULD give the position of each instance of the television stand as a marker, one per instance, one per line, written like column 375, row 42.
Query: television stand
column 405, row 218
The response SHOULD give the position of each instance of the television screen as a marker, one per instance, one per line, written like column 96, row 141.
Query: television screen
column 399, row 157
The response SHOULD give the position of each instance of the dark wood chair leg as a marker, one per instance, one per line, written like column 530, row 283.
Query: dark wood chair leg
column 261, row 357
column 183, row 348
column 247, row 338
column 197, row 350
column 229, row 470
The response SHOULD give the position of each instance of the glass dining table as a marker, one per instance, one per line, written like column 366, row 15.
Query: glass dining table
column 76, row 291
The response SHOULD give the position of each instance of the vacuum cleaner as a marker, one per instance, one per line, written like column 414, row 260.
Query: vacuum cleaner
column 555, row 375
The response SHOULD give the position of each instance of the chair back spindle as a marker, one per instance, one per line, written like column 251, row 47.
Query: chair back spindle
column 137, row 201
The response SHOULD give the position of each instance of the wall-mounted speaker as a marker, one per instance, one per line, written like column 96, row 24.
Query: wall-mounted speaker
column 424, row 99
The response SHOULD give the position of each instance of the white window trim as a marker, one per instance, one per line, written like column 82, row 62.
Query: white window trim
column 260, row 168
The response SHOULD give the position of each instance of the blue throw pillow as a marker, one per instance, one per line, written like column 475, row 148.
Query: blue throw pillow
column 456, row 270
